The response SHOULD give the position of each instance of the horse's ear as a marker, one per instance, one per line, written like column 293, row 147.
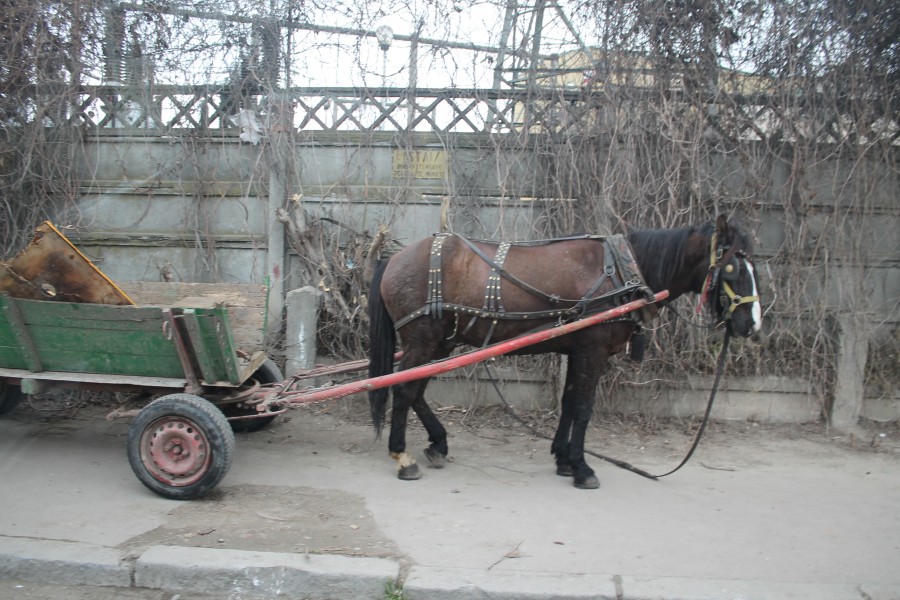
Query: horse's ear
column 722, row 227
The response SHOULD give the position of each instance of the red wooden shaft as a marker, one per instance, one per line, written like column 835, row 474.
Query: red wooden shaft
column 463, row 360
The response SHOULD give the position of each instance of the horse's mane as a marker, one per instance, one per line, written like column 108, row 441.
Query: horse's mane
column 660, row 252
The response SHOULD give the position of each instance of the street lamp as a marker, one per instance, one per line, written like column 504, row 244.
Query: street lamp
column 385, row 36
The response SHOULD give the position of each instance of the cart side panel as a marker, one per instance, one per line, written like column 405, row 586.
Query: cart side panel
column 95, row 338
column 213, row 344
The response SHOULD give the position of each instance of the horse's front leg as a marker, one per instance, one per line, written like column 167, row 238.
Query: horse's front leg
column 583, row 476
column 560, row 446
column 403, row 393
column 582, row 378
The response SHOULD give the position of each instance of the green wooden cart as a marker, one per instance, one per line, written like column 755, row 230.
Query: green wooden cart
column 180, row 445
column 65, row 325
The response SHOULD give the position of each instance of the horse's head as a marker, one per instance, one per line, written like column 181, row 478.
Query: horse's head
column 732, row 285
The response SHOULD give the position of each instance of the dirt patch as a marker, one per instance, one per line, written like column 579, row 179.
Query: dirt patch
column 296, row 520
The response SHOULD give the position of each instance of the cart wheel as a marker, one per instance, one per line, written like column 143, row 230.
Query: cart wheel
column 180, row 446
column 268, row 372
column 10, row 396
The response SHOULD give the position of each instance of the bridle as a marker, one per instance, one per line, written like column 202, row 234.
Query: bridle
column 723, row 270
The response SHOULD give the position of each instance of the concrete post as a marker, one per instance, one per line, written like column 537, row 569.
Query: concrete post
column 302, row 310
column 279, row 147
column 850, row 368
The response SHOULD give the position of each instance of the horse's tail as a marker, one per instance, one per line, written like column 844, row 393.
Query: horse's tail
column 382, row 341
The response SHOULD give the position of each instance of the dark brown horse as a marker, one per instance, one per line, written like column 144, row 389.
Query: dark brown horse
column 445, row 291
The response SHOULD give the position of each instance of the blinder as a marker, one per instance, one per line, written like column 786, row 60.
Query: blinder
column 732, row 270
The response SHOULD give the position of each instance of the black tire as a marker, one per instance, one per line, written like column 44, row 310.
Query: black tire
column 268, row 372
column 10, row 397
column 180, row 446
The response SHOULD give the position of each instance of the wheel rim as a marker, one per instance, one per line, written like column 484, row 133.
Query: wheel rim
column 175, row 451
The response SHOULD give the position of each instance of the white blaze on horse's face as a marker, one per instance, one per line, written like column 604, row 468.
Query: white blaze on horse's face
column 755, row 309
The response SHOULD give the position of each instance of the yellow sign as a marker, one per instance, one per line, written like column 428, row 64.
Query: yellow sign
column 420, row 164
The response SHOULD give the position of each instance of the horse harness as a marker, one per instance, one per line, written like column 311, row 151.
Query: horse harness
column 620, row 268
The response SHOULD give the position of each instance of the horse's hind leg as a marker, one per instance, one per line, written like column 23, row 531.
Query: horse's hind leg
column 407, row 468
column 436, row 452
column 404, row 394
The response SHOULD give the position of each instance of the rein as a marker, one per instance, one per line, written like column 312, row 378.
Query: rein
column 720, row 368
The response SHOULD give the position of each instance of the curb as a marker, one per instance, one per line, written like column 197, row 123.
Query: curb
column 52, row 561
column 437, row 583
column 319, row 576
column 206, row 570
column 215, row 571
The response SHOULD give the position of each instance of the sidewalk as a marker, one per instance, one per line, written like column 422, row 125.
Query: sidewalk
column 311, row 509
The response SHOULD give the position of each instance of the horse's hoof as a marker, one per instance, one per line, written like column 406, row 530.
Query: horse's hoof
column 565, row 470
column 587, row 483
column 436, row 460
column 409, row 472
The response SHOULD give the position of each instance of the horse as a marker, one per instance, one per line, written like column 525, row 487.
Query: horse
column 445, row 291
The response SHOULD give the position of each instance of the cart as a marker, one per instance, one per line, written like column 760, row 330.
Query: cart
column 64, row 325
column 181, row 444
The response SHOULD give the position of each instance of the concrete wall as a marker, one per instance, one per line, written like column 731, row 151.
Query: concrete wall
column 198, row 210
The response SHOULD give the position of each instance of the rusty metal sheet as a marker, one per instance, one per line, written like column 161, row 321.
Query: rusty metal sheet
column 51, row 268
